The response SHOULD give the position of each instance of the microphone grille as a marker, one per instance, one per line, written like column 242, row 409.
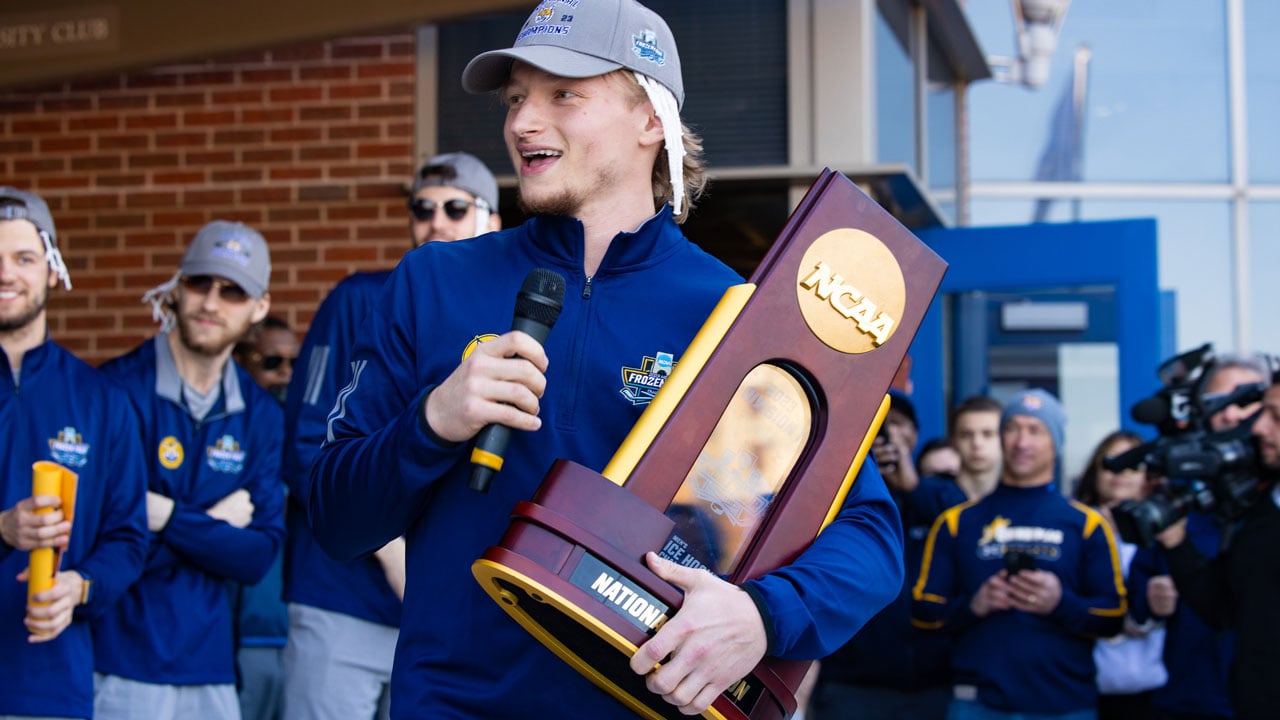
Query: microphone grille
column 1151, row 411
column 541, row 296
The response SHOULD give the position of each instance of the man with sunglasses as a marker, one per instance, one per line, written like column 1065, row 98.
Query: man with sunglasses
column 214, row 503
column 268, row 352
column 608, row 171
column 53, row 407
column 344, row 616
column 454, row 197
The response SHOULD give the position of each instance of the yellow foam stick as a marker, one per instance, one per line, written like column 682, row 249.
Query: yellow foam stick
column 46, row 479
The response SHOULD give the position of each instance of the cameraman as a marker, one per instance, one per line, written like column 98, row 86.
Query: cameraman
column 1197, row 657
column 1239, row 587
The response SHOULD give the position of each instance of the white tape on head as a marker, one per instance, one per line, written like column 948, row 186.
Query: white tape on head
column 664, row 104
column 482, row 216
column 54, row 258
column 159, row 298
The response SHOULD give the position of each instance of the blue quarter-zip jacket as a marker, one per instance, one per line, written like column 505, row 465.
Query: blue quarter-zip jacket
column 67, row 412
column 358, row 588
column 383, row 475
column 1023, row 662
column 173, row 627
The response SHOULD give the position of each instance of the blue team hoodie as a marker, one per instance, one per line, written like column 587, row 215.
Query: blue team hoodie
column 358, row 588
column 173, row 627
column 67, row 412
column 460, row 655
column 1022, row 662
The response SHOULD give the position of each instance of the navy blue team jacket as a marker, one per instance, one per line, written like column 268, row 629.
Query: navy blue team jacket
column 358, row 588
column 67, row 412
column 1023, row 662
column 174, row 626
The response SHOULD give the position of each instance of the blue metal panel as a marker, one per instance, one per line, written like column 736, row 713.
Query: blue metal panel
column 1120, row 254
column 1168, row 323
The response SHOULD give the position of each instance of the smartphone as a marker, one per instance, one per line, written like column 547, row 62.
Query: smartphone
column 1015, row 561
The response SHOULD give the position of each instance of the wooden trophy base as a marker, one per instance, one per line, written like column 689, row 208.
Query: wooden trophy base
column 579, row 547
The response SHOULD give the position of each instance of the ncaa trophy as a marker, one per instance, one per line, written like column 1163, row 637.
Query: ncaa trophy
column 742, row 458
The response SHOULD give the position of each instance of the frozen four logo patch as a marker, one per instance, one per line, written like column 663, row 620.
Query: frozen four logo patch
column 225, row 455
column 68, row 448
column 645, row 45
column 639, row 385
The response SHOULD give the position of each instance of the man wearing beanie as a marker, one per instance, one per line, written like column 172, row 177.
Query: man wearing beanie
column 214, row 503
column 55, row 408
column 1025, row 580
column 344, row 617
column 592, row 91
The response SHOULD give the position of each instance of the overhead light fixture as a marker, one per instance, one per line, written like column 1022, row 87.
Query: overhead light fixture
column 1036, row 25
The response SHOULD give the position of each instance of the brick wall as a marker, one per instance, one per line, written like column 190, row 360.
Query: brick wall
column 311, row 145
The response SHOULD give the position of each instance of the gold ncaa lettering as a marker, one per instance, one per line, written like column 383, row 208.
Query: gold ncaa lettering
column 830, row 286
column 851, row 290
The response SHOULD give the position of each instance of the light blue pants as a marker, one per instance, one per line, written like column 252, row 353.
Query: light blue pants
column 117, row 698
column 337, row 667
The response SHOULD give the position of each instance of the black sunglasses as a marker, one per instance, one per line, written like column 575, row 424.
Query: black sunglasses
column 424, row 209
column 271, row 362
column 203, row 284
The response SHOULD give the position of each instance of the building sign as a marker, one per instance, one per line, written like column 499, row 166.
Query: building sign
column 57, row 33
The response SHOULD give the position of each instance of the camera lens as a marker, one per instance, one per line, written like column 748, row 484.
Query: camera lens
column 1140, row 521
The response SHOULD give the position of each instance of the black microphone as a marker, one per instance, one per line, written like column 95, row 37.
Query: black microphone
column 1153, row 410
column 537, row 306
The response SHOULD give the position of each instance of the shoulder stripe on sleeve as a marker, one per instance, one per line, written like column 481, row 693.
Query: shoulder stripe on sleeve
column 316, row 367
column 950, row 518
column 1093, row 521
column 340, row 406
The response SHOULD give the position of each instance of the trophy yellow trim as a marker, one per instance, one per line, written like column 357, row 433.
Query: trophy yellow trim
column 691, row 363
column 487, row 572
column 858, row 459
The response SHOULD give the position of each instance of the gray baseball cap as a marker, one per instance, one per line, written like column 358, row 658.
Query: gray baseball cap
column 230, row 250
column 460, row 170
column 18, row 204
column 581, row 39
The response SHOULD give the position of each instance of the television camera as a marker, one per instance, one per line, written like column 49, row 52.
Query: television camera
column 1210, row 472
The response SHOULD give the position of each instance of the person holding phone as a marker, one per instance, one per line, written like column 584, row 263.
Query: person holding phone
column 1022, row 563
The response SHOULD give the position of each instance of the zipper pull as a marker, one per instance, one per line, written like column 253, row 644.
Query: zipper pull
column 586, row 290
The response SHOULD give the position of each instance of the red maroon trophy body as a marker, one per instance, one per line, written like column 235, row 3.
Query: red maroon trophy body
column 746, row 453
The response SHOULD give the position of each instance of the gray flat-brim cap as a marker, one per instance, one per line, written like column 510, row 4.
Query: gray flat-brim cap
column 581, row 40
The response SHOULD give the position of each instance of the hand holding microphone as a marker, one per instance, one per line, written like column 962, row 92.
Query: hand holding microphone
column 499, row 383
column 537, row 306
